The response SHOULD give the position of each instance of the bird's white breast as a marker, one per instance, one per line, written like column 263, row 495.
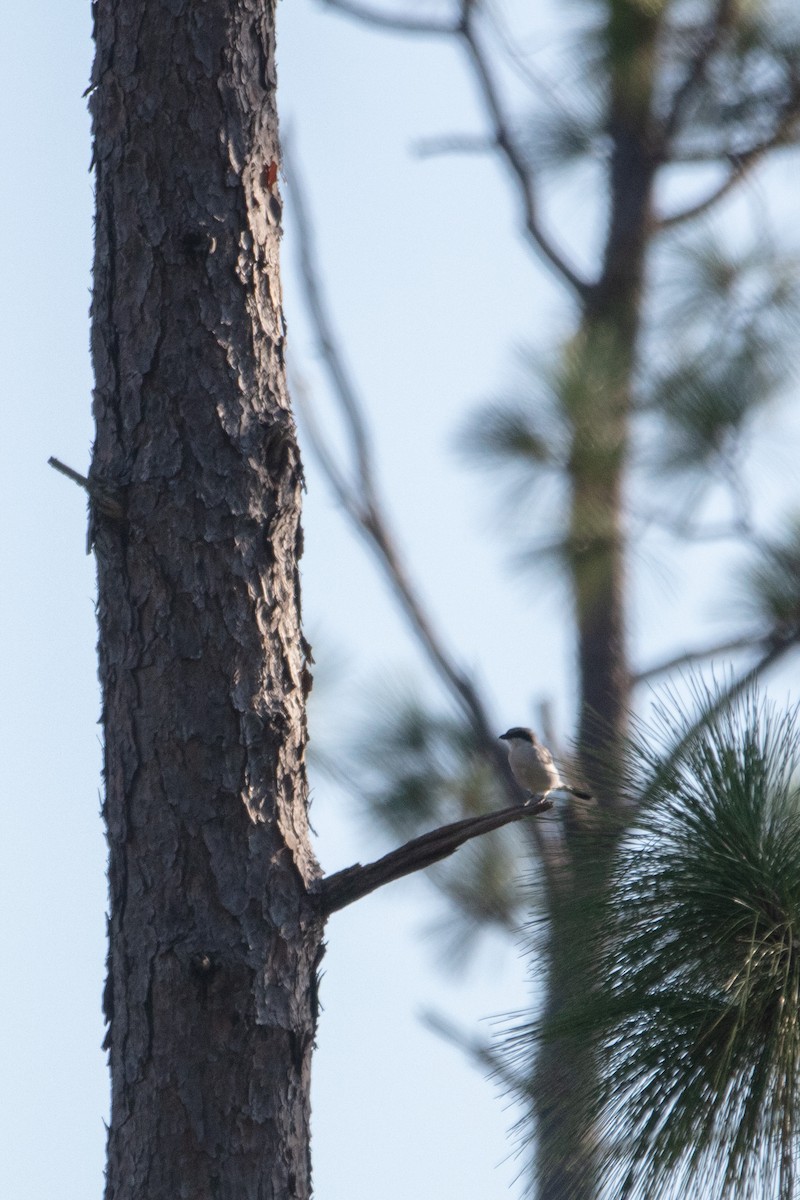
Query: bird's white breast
column 532, row 768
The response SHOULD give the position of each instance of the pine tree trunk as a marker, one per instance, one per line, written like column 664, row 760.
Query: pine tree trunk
column 607, row 342
column 214, row 944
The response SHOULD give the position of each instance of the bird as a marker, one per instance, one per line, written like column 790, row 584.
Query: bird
column 532, row 764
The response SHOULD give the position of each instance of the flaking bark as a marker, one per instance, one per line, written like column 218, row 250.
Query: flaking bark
column 214, row 941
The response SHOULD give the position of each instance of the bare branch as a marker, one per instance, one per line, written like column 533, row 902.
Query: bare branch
column 507, row 145
column 393, row 23
column 341, row 488
column 344, row 887
column 725, row 531
column 364, row 508
column 749, row 642
column 739, row 527
column 360, row 500
column 741, row 164
column 100, row 495
column 70, row 473
column 503, row 138
column 325, row 338
column 696, row 70
column 777, row 648
column 458, row 143
column 734, row 177
column 536, row 81
column 480, row 1052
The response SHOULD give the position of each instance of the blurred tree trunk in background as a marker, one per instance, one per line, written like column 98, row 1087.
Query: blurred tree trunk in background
column 600, row 418
column 210, row 996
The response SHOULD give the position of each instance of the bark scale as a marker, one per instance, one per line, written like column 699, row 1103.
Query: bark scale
column 214, row 942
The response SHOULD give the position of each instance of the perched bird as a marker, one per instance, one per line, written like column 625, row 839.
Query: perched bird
column 532, row 764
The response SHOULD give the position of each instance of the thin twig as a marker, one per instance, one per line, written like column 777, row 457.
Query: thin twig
column 777, row 649
column 453, row 143
column 739, row 528
column 344, row 887
column 360, row 500
column 734, row 177
column 696, row 70
column 515, row 159
column 741, row 165
column 350, row 403
column 330, row 468
column 749, row 642
column 503, row 138
column 100, row 495
column 537, row 81
column 480, row 1052
column 70, row 473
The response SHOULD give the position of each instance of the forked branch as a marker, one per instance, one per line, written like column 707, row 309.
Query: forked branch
column 706, row 47
column 502, row 136
column 742, row 164
column 510, row 150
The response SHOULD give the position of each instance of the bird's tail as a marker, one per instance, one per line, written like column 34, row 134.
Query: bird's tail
column 579, row 794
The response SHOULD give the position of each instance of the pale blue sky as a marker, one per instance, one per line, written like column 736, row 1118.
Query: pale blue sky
column 432, row 291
